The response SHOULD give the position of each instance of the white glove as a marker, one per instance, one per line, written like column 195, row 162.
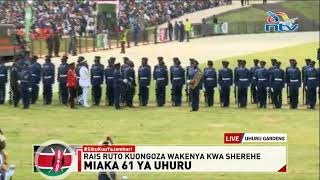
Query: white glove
column 125, row 81
column 30, row 89
column 256, row 88
column 271, row 89
column 148, row 87
column 306, row 88
column 188, row 81
column 18, row 81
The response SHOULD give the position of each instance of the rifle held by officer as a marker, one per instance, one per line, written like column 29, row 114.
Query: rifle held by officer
column 303, row 94
column 288, row 95
column 269, row 96
column 235, row 94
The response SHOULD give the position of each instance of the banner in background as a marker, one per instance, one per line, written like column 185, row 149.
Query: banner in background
column 27, row 23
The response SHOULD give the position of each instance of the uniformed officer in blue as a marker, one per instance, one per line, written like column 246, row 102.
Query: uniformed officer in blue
column 177, row 78
column 3, row 81
column 225, row 78
column 109, row 76
column 273, row 66
column 62, row 79
column 130, row 84
column 117, row 85
column 303, row 73
column 277, row 81
column 35, row 69
column 14, row 83
column 48, row 74
column 124, row 67
column 189, row 70
column 262, row 78
column 254, row 96
column 294, row 83
column 195, row 91
column 160, row 75
column 235, row 85
column 210, row 83
column 25, row 77
column 242, row 81
column 311, row 84
column 144, row 78
column 97, row 76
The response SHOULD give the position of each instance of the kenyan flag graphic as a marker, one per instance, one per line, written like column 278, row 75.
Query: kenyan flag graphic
column 53, row 160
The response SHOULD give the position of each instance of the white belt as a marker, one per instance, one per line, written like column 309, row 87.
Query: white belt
column 294, row 80
column 96, row 76
column 160, row 79
column 277, row 79
column 144, row 78
column 254, row 78
column 2, row 75
column 47, row 77
column 176, row 78
column 63, row 75
column 131, row 78
column 210, row 79
column 312, row 78
column 32, row 75
column 24, row 81
column 110, row 77
column 262, row 79
column 243, row 79
column 226, row 79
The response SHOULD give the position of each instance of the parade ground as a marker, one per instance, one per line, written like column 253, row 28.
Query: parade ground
column 177, row 126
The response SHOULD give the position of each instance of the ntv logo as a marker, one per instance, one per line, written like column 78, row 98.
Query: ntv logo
column 280, row 22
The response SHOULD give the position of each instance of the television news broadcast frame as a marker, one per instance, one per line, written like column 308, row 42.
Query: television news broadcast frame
column 112, row 89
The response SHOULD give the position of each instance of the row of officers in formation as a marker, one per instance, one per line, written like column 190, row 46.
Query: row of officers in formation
column 264, row 83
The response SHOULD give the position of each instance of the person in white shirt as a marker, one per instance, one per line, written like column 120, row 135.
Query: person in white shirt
column 84, row 82
column 106, row 39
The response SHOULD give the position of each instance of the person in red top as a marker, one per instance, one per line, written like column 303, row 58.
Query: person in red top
column 72, row 84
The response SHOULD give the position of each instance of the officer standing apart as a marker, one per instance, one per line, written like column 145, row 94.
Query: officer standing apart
column 62, row 79
column 25, row 85
column 123, row 41
column 262, row 77
column 109, row 75
column 3, row 81
column 84, row 82
column 210, row 82
column 188, row 27
column 48, row 75
column 294, row 83
column 277, row 79
column 242, row 76
column 35, row 69
column 144, row 77
column 195, row 88
column 254, row 96
column 97, row 74
column 312, row 81
column 160, row 75
column 177, row 79
column 225, row 78
column 117, row 84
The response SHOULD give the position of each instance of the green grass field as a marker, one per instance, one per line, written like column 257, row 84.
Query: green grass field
column 168, row 125
column 309, row 9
